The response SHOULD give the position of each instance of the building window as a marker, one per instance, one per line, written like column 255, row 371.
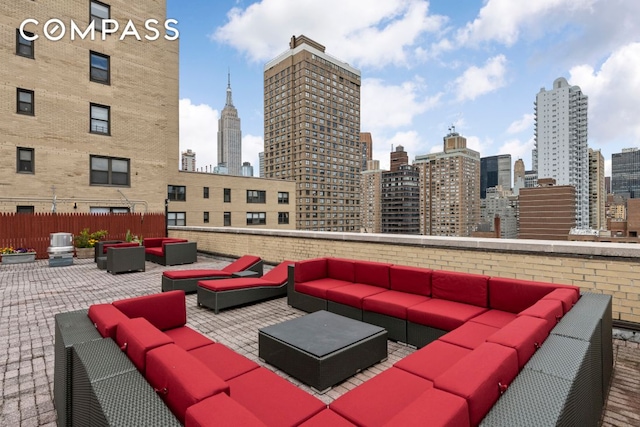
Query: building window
column 100, row 115
column 256, row 196
column 176, row 218
column 177, row 193
column 99, row 68
column 205, row 192
column 25, row 102
column 109, row 171
column 25, row 160
column 98, row 12
column 227, row 195
column 25, row 209
column 283, row 217
column 256, row 218
column 205, row 218
column 227, row 219
column 283, row 198
column 24, row 47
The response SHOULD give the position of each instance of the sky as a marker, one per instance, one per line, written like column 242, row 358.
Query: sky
column 426, row 66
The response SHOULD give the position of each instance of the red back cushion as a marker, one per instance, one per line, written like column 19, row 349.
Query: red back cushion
column 136, row 337
column 310, row 269
column 567, row 296
column 241, row 263
column 166, row 310
column 460, row 287
column 341, row 269
column 514, row 295
column 372, row 273
column 279, row 273
column 152, row 242
column 411, row 279
column 106, row 318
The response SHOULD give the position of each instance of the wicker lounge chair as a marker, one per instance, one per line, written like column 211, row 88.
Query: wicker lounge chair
column 168, row 251
column 125, row 259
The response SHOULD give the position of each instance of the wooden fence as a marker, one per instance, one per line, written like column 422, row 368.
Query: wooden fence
column 32, row 230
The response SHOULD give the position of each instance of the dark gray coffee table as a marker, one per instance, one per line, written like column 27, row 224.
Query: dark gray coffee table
column 322, row 349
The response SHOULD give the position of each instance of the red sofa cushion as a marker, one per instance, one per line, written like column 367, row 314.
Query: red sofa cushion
column 433, row 359
column 242, row 263
column 470, row 335
column 433, row 408
column 327, row 418
column 311, row 269
column 479, row 376
column 567, row 296
column 194, row 274
column 318, row 288
column 187, row 338
column 372, row 273
column 352, row 295
column 460, row 287
column 152, row 242
column 136, row 337
column 392, row 303
column 118, row 245
column 168, row 241
column 514, row 295
column 279, row 274
column 220, row 410
column 180, row 379
column 341, row 269
column 442, row 314
column 549, row 310
column 525, row 334
column 379, row 399
column 234, row 284
column 106, row 317
column 157, row 251
column 496, row 318
column 166, row 310
column 273, row 399
column 410, row 279
column 225, row 363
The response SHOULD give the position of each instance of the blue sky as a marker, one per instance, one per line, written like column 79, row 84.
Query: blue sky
column 426, row 65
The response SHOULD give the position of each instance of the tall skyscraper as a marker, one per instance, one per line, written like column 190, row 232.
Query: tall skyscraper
column 366, row 145
column 449, row 189
column 371, row 203
column 189, row 160
column 597, row 193
column 561, row 141
column 400, row 210
column 261, row 163
column 495, row 170
column 398, row 158
column 518, row 172
column 625, row 173
column 230, row 136
column 312, row 134
column 247, row 169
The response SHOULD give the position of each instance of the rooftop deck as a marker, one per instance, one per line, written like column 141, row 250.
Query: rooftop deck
column 31, row 294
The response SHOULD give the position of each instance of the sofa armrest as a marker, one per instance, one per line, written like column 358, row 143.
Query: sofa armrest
column 180, row 253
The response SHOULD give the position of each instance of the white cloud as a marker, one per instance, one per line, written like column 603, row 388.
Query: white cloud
column 477, row 81
column 518, row 150
column 251, row 146
column 198, row 132
column 379, row 34
column 525, row 123
column 607, row 167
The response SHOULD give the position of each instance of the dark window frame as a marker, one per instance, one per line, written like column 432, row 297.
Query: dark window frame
column 226, row 195
column 205, row 192
column 174, row 221
column 226, row 219
column 205, row 217
column 25, row 209
column 93, row 17
column 177, row 193
column 106, row 81
column 256, row 218
column 31, row 111
column 283, row 197
column 22, row 42
column 91, row 119
column 109, row 171
column 32, row 162
column 256, row 196
column 283, row 217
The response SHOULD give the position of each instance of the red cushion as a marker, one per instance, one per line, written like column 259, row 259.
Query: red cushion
column 392, row 303
column 168, row 241
column 495, row 318
column 118, row 245
column 152, row 242
column 479, row 376
column 460, row 287
column 180, row 379
column 433, row 408
column 311, row 269
column 442, row 314
column 514, row 295
column 470, row 335
column 433, row 359
column 220, row 410
column 136, row 337
column 234, row 284
column 106, row 317
column 549, row 310
column 567, row 296
column 341, row 269
column 194, row 274
column 166, row 310
column 318, row 288
column 273, row 399
column 187, row 338
column 154, row 251
column 279, row 274
column 377, row 400
column 225, row 363
column 372, row 273
column 525, row 334
column 410, row 279
column 327, row 418
column 242, row 263
column 352, row 295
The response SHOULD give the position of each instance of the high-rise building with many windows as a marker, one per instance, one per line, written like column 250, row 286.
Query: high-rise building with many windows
column 495, row 170
column 625, row 173
column 230, row 136
column 561, row 142
column 597, row 193
column 312, row 134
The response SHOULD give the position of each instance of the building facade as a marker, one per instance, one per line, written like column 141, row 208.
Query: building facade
column 400, row 200
column 230, row 136
column 312, row 134
column 547, row 212
column 397, row 158
column 189, row 161
column 495, row 170
column 561, row 142
column 625, row 173
column 370, row 198
column 247, row 169
column 597, row 193
column 366, row 145
column 500, row 202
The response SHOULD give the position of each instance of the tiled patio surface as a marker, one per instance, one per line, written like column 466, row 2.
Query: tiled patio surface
column 31, row 294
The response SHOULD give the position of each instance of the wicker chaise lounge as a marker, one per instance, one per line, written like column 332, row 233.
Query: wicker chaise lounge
column 187, row 280
column 225, row 293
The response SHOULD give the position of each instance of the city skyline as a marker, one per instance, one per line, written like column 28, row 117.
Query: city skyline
column 477, row 67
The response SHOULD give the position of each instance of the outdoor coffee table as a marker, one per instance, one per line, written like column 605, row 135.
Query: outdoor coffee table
column 322, row 349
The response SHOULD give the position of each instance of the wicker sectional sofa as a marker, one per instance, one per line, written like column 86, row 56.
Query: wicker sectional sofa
column 169, row 251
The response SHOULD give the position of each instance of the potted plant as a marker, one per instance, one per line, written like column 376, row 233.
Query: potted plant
column 86, row 240
column 10, row 255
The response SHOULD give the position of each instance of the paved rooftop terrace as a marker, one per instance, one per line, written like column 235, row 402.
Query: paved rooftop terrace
column 31, row 294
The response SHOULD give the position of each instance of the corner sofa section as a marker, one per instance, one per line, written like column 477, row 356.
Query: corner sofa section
column 169, row 251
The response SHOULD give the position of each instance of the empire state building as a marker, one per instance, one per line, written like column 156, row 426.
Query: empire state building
column 230, row 136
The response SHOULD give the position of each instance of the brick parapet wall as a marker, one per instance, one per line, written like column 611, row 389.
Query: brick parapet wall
column 608, row 268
